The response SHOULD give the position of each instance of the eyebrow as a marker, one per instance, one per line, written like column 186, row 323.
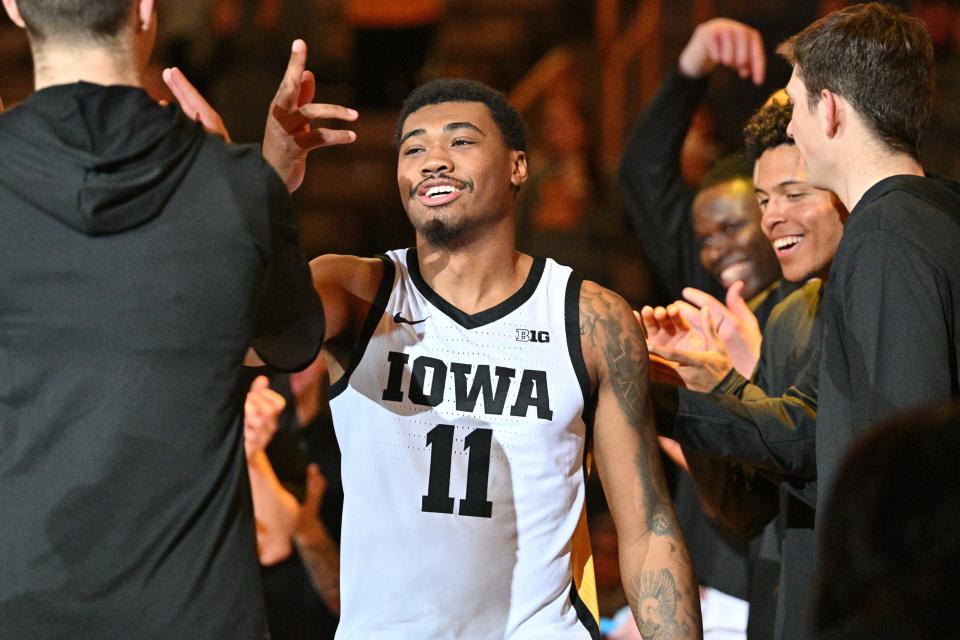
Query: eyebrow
column 788, row 183
column 452, row 126
column 781, row 185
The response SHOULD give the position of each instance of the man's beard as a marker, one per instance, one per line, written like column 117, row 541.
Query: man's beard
column 444, row 235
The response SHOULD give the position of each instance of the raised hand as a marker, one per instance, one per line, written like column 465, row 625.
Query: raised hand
column 734, row 323
column 288, row 135
column 699, row 370
column 261, row 415
column 727, row 42
column 193, row 104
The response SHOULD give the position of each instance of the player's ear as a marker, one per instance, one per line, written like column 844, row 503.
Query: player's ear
column 14, row 12
column 519, row 173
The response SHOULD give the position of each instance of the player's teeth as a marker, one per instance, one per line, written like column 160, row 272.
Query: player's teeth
column 438, row 191
column 788, row 241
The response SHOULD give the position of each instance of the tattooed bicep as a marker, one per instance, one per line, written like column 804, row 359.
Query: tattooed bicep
column 613, row 343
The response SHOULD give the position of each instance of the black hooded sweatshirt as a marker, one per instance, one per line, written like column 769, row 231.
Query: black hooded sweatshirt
column 139, row 257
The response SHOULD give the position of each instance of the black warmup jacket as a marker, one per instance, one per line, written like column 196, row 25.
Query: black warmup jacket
column 139, row 257
column 891, row 315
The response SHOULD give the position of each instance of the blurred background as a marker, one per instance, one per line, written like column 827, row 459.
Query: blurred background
column 579, row 70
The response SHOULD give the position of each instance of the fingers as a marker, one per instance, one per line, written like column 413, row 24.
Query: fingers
column 689, row 313
column 677, row 320
column 316, row 111
column 289, row 91
column 710, row 337
column 192, row 103
column 673, row 450
column 732, row 44
column 308, row 88
column 703, row 299
column 727, row 47
column 263, row 407
column 758, row 58
column 183, row 90
column 648, row 321
column 316, row 488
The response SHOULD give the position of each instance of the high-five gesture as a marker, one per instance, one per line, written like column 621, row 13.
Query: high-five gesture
column 727, row 42
column 289, row 135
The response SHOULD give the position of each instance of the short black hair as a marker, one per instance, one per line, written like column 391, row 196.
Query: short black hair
column 767, row 128
column 877, row 57
column 460, row 90
column 735, row 166
column 74, row 20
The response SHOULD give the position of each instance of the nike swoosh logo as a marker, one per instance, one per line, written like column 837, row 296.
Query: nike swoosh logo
column 400, row 319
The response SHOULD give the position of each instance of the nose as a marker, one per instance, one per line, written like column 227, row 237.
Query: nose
column 712, row 254
column 772, row 216
column 436, row 161
column 790, row 128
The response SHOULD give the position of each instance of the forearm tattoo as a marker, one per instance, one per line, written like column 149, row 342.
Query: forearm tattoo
column 664, row 607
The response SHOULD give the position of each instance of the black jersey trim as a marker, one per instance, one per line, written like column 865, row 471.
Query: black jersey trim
column 377, row 308
column 583, row 613
column 472, row 321
column 571, row 319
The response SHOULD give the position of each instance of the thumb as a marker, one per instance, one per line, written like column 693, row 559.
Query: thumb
column 260, row 383
column 735, row 301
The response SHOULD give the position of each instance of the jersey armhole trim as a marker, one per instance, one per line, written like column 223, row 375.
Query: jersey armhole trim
column 571, row 313
column 583, row 613
column 377, row 308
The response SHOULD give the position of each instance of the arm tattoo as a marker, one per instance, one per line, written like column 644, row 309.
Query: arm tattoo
column 625, row 361
column 659, row 600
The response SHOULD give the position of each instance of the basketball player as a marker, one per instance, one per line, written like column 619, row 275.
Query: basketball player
column 471, row 384
column 471, row 387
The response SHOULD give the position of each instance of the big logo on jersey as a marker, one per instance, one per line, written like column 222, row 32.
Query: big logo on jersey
column 532, row 391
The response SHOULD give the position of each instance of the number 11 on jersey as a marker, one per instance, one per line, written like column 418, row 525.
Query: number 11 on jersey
column 438, row 499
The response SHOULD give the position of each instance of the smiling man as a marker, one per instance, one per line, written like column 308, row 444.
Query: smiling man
column 862, row 89
column 768, row 424
column 470, row 383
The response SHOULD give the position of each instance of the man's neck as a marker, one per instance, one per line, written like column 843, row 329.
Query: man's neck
column 56, row 64
column 858, row 177
column 475, row 278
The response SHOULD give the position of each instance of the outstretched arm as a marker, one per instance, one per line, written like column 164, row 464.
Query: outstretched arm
column 656, row 570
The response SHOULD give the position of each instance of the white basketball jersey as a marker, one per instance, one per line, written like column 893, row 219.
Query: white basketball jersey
column 463, row 446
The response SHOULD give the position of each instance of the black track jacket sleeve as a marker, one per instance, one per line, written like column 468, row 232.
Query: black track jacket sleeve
column 657, row 197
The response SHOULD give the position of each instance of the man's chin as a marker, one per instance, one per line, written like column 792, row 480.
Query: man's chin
column 443, row 235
